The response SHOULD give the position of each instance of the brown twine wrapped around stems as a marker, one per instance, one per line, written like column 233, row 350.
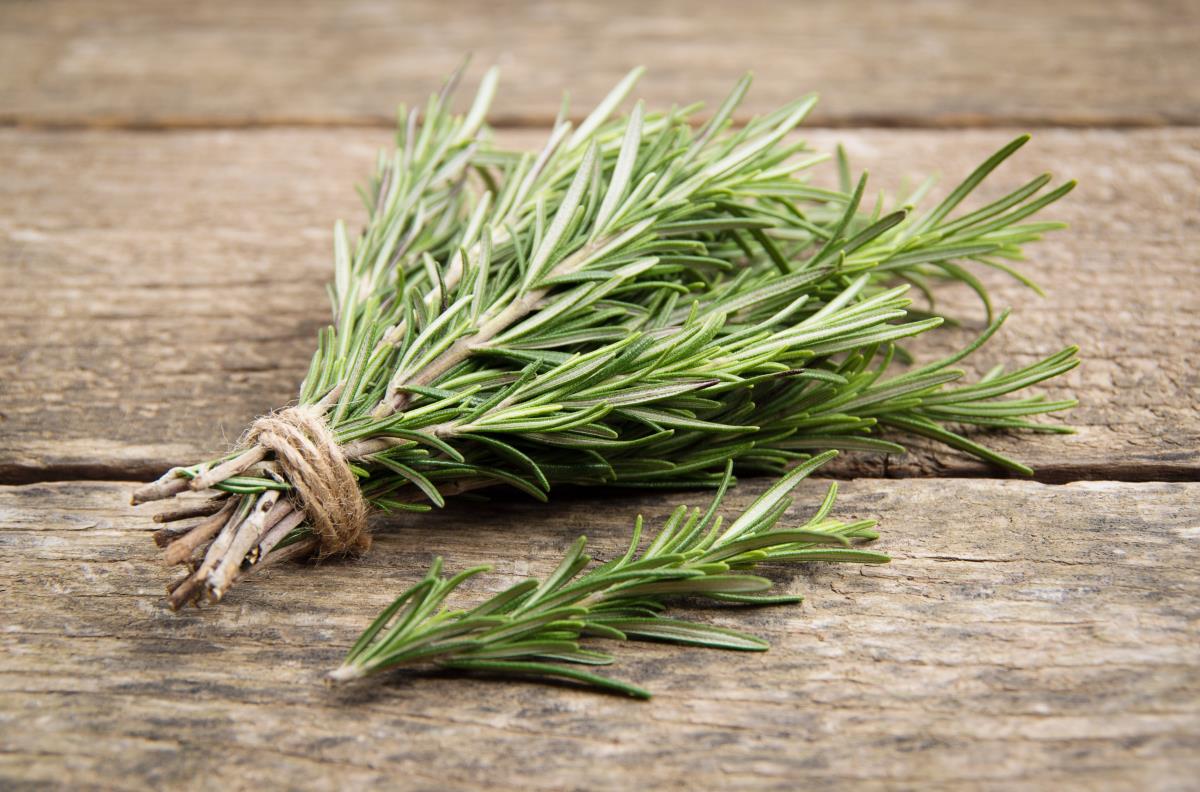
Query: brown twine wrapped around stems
column 310, row 458
column 325, row 493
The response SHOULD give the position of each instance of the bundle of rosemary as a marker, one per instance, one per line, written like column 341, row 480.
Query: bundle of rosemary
column 637, row 303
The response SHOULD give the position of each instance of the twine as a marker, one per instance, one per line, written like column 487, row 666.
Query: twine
column 311, row 459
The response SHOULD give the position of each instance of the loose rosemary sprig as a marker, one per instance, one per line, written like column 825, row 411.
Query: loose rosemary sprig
column 637, row 303
column 534, row 627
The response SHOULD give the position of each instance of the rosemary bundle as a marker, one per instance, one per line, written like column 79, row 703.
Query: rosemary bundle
column 637, row 303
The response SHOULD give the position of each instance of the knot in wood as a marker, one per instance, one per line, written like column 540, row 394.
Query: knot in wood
column 310, row 458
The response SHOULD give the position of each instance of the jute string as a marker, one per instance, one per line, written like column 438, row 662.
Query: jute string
column 309, row 456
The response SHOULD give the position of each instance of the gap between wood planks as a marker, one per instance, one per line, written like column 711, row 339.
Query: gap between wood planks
column 948, row 121
column 18, row 474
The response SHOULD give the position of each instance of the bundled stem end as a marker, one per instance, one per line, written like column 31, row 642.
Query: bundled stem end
column 343, row 674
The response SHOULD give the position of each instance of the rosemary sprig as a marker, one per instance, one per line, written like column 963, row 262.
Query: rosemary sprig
column 637, row 303
column 535, row 626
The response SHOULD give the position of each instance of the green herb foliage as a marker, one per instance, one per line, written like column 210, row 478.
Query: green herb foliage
column 641, row 301
column 535, row 627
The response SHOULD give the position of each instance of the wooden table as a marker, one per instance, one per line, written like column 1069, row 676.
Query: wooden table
column 170, row 176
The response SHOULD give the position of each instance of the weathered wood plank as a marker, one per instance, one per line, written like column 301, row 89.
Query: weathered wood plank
column 1044, row 636
column 927, row 63
column 160, row 290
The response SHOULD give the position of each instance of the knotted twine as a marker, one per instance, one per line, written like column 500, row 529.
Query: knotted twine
column 313, row 463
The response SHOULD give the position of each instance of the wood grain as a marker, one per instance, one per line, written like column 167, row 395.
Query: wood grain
column 926, row 63
column 160, row 290
column 1043, row 637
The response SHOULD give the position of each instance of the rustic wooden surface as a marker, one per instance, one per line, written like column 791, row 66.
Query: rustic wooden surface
column 135, row 262
column 1047, row 642
column 169, row 184
column 932, row 62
